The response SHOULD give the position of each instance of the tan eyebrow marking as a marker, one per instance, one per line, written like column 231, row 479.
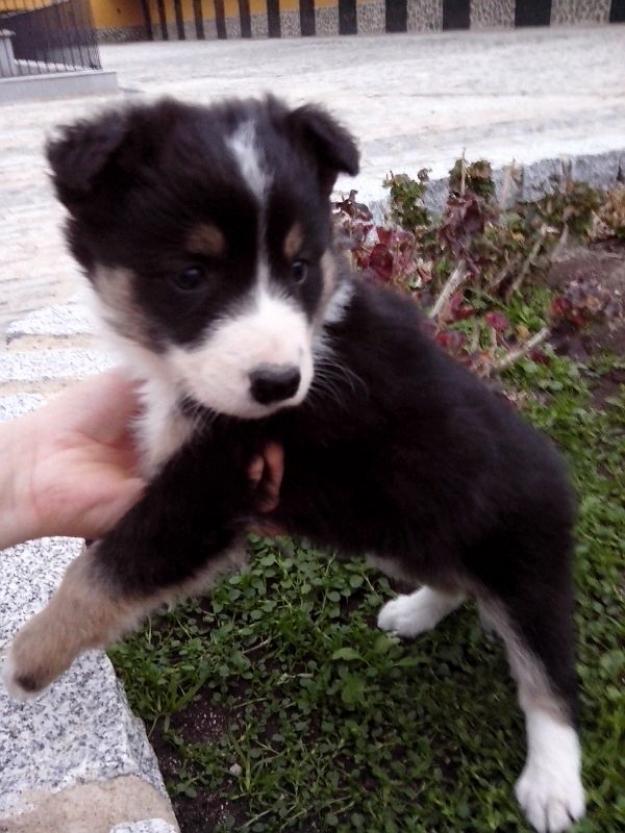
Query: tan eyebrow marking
column 206, row 239
column 293, row 241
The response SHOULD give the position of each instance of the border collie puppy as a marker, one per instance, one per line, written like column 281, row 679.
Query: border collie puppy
column 206, row 234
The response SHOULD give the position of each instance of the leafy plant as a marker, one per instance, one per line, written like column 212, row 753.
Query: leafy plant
column 464, row 266
column 407, row 200
column 476, row 177
column 611, row 215
column 570, row 204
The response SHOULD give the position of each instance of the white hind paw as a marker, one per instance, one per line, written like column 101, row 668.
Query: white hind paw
column 552, row 801
column 410, row 615
column 550, row 788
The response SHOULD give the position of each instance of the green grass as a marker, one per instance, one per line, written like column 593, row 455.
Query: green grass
column 338, row 727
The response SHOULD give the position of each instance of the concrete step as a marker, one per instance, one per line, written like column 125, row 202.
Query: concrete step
column 75, row 760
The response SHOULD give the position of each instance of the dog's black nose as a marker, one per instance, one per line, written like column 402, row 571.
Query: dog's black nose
column 274, row 382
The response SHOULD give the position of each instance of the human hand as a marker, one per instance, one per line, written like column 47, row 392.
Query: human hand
column 71, row 468
column 74, row 462
column 265, row 472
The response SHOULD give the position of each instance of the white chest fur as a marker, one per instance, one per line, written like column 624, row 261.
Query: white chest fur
column 161, row 429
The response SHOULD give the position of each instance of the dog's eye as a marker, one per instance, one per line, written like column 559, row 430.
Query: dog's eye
column 190, row 280
column 299, row 270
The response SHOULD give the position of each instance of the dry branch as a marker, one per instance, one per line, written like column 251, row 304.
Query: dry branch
column 456, row 279
column 516, row 283
column 515, row 355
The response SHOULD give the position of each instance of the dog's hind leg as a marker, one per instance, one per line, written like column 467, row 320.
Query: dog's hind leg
column 418, row 612
column 529, row 602
column 549, row 790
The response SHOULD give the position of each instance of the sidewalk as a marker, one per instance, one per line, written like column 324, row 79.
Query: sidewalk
column 413, row 101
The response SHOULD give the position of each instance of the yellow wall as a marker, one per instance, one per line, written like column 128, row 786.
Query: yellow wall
column 154, row 12
column 208, row 11
column 116, row 14
column 187, row 9
column 120, row 14
column 231, row 8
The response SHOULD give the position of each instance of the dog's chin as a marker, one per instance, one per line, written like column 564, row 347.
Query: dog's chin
column 193, row 403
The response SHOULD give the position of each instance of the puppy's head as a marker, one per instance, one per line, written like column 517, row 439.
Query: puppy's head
column 206, row 235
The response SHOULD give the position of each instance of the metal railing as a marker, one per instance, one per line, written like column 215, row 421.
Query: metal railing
column 46, row 36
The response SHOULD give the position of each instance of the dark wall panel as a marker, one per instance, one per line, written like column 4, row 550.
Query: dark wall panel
column 617, row 11
column 396, row 15
column 162, row 19
column 307, row 17
column 348, row 21
column 246, row 21
column 147, row 19
column 220, row 19
column 273, row 18
column 532, row 13
column 179, row 20
column 456, row 14
column 198, row 17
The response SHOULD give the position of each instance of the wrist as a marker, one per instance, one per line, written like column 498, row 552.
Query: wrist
column 18, row 518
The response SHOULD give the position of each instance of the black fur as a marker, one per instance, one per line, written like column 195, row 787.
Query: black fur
column 416, row 461
column 406, row 455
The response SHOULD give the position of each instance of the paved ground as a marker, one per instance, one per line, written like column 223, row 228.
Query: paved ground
column 414, row 101
column 75, row 760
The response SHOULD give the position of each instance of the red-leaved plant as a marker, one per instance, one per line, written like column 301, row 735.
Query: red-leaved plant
column 462, row 269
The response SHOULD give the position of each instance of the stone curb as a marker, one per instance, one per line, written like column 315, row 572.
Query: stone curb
column 147, row 826
column 75, row 760
column 525, row 183
column 20, row 88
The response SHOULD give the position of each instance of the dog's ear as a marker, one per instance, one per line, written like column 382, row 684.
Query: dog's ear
column 100, row 160
column 80, row 155
column 331, row 145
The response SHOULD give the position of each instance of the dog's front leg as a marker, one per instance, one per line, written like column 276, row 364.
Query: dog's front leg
column 179, row 536
column 85, row 612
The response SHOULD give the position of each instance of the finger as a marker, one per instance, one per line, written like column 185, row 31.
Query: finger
column 273, row 456
column 274, row 459
column 256, row 469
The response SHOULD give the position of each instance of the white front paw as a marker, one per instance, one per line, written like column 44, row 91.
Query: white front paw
column 553, row 800
column 406, row 617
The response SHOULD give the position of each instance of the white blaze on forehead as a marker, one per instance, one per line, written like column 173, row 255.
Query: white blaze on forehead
column 262, row 275
column 244, row 147
column 271, row 331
